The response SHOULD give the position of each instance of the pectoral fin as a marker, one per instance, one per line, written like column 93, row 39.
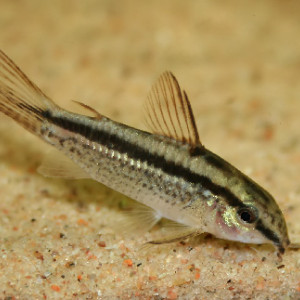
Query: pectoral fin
column 175, row 237
column 138, row 218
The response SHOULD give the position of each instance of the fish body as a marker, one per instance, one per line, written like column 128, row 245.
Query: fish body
column 168, row 170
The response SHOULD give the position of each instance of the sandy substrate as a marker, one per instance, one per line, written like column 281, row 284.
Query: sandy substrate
column 239, row 62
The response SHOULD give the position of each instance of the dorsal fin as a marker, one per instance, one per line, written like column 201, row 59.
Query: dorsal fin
column 169, row 111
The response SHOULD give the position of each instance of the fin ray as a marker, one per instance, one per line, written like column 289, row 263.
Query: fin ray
column 179, row 233
column 138, row 219
column 169, row 112
column 20, row 98
column 57, row 165
column 94, row 111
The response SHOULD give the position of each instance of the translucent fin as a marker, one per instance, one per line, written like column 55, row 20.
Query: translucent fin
column 138, row 219
column 169, row 111
column 97, row 114
column 181, row 234
column 58, row 165
column 20, row 98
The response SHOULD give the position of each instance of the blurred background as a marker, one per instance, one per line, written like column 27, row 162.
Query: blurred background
column 109, row 52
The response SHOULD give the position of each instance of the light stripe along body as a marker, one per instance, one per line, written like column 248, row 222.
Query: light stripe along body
column 168, row 170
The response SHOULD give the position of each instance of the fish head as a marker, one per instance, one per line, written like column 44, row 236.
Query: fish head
column 257, row 219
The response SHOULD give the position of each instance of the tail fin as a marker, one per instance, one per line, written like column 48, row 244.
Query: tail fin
column 20, row 98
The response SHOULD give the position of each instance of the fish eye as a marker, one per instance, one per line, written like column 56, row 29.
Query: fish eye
column 247, row 215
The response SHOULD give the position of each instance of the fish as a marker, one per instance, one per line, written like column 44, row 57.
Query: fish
column 167, row 168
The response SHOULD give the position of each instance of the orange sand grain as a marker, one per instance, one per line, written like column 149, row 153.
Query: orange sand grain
column 172, row 295
column 82, row 222
column 260, row 283
column 55, row 288
column 197, row 275
column 128, row 262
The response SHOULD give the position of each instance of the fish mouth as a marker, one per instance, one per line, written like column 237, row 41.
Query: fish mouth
column 283, row 246
column 281, row 249
column 281, row 242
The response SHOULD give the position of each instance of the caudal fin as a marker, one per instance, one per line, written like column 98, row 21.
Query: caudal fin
column 20, row 98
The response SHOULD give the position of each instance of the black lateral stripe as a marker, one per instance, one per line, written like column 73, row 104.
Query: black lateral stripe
column 113, row 142
column 224, row 166
column 217, row 161
column 268, row 233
